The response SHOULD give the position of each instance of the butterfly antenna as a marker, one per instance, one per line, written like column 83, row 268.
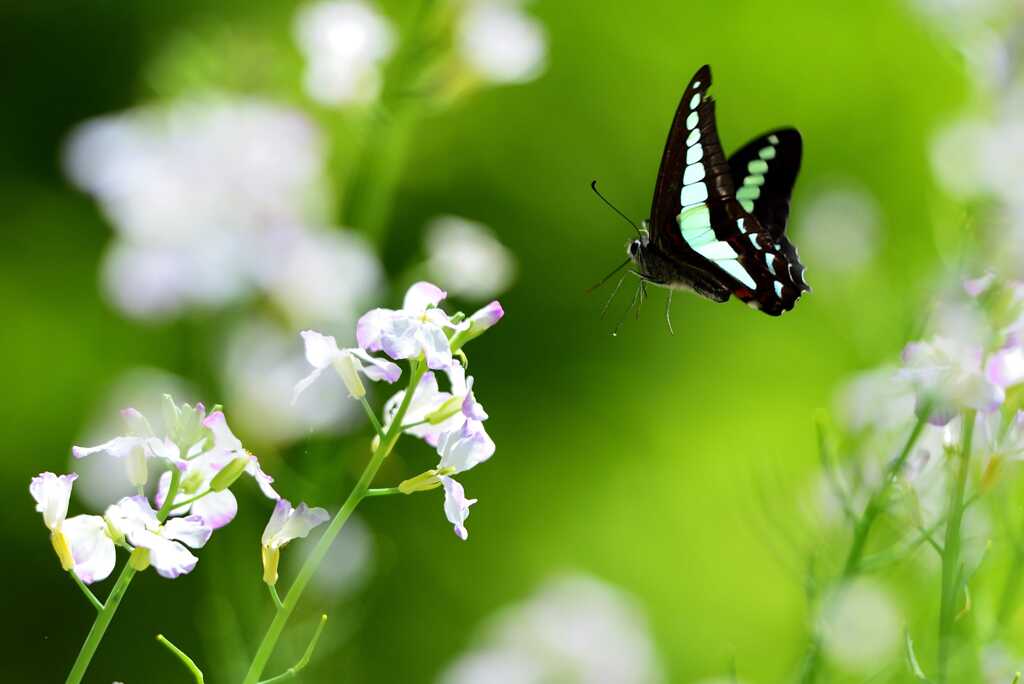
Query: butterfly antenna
column 608, row 303
column 593, row 186
column 668, row 313
column 625, row 314
column 607, row 277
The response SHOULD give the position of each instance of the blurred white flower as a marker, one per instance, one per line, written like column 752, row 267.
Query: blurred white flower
column 344, row 43
column 198, row 193
column 261, row 364
column 466, row 259
column 876, row 399
column 500, row 42
column 102, row 474
column 574, row 629
column 999, row 664
column 860, row 626
column 322, row 277
column 839, row 229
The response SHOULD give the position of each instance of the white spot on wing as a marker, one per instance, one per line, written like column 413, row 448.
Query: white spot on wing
column 693, row 137
column 770, row 260
column 691, row 121
column 693, row 173
column 695, row 101
column 716, row 251
column 733, row 268
column 778, row 289
column 694, row 154
column 693, row 194
column 753, row 240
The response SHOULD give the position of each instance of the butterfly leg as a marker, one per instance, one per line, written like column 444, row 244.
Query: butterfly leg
column 618, row 286
column 668, row 312
column 635, row 300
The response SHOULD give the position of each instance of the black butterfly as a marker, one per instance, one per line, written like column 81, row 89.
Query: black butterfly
column 706, row 235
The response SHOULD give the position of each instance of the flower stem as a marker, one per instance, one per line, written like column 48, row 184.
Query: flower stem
column 861, row 531
column 274, row 595
column 292, row 671
column 106, row 614
column 372, row 416
column 183, row 657
column 383, row 491
column 192, row 500
column 96, row 603
column 323, row 545
column 951, row 564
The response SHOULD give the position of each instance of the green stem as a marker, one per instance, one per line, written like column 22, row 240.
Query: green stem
column 383, row 491
column 372, row 416
column 876, row 503
column 323, row 545
column 951, row 551
column 854, row 558
column 292, row 671
column 274, row 595
column 96, row 603
column 192, row 500
column 104, row 616
column 183, row 657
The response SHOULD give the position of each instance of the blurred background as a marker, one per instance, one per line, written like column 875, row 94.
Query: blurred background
column 187, row 185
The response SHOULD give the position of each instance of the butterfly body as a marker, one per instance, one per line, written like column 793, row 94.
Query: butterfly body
column 717, row 225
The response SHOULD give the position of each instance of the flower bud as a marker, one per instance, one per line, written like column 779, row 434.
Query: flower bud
column 270, row 556
column 63, row 549
column 347, row 369
column 229, row 473
column 135, row 465
column 421, row 483
column 479, row 323
column 139, row 560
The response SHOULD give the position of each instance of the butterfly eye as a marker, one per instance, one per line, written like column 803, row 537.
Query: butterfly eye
column 634, row 248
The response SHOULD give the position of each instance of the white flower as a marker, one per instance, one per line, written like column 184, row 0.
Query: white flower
column 197, row 193
column 466, row 259
column 138, row 445
column 573, row 629
column 344, row 44
column 285, row 524
column 433, row 413
column 215, row 509
column 227, row 447
column 137, row 521
column 419, row 327
column 463, row 449
column 322, row 351
column 261, row 363
column 948, row 373
column 501, row 42
column 456, row 506
column 81, row 542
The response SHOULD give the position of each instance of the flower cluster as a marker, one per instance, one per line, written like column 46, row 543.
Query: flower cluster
column 452, row 421
column 199, row 459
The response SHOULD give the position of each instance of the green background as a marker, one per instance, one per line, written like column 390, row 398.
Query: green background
column 635, row 458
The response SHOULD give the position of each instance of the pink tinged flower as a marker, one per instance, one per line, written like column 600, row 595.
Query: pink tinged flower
column 456, row 505
column 228, row 447
column 486, row 317
column 285, row 524
column 419, row 327
column 1005, row 368
column 135, row 447
column 465, row 448
column 322, row 351
column 948, row 374
column 137, row 521
column 216, row 509
column 975, row 287
column 81, row 542
column 52, row 494
column 91, row 547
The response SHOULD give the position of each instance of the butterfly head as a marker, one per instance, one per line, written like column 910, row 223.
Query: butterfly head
column 636, row 247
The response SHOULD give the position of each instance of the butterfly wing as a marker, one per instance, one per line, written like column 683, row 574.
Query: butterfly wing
column 765, row 171
column 697, row 218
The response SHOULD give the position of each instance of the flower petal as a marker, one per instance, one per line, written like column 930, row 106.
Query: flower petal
column 117, row 447
column 377, row 369
column 131, row 516
column 422, row 295
column 223, row 439
column 262, row 479
column 287, row 523
column 471, row 408
column 91, row 547
column 320, row 349
column 304, row 383
column 52, row 493
column 456, row 506
column 216, row 509
column 465, row 448
column 1006, row 367
column 191, row 530
column 169, row 558
column 370, row 328
column 436, row 347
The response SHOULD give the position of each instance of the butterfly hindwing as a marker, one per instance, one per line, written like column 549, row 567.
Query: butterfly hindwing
column 764, row 172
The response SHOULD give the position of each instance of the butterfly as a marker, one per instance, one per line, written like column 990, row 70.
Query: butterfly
column 717, row 226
